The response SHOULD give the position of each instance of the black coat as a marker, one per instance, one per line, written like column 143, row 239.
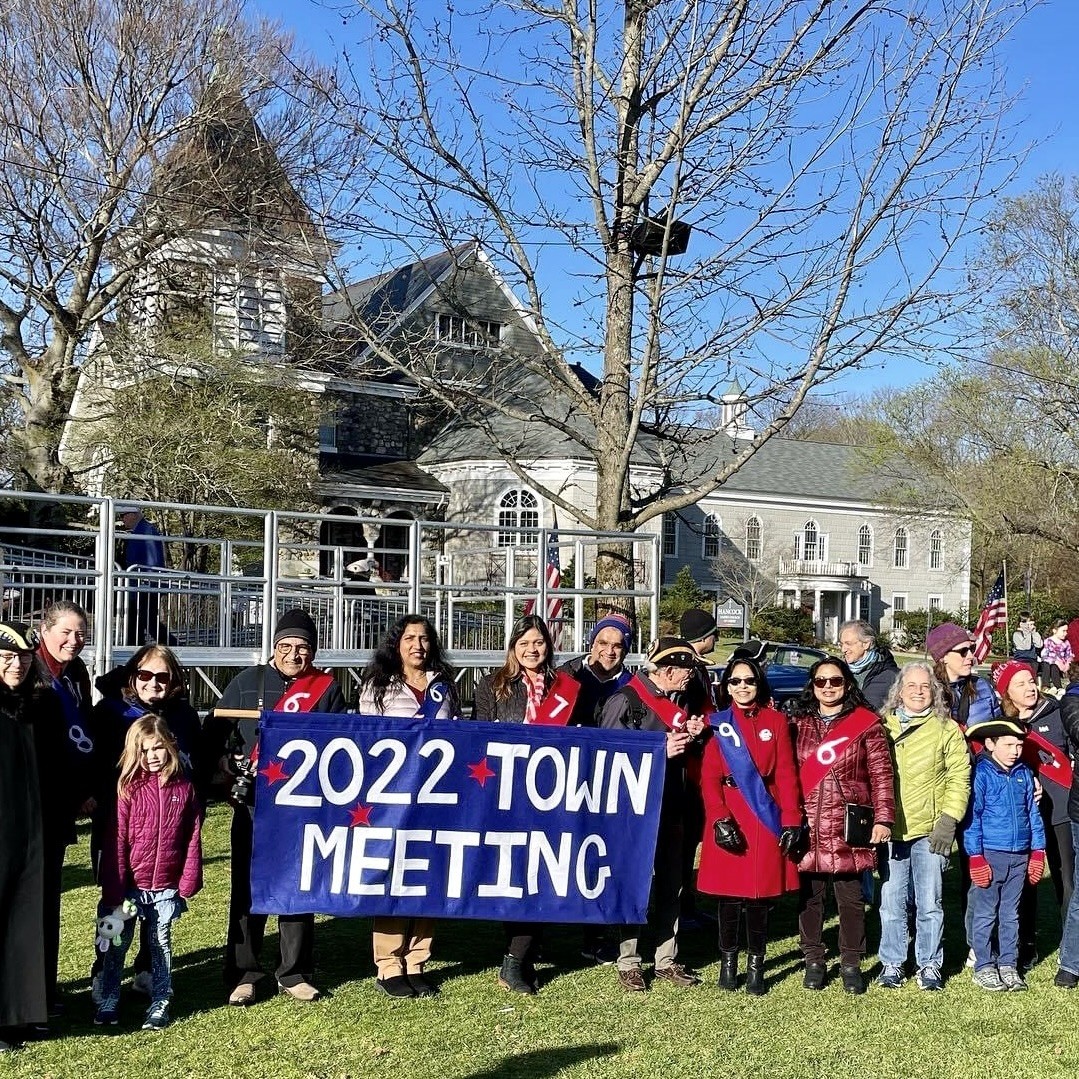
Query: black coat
column 257, row 688
column 1069, row 717
column 879, row 678
column 22, row 854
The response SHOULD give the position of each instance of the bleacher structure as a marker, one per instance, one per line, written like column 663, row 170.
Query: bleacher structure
column 248, row 562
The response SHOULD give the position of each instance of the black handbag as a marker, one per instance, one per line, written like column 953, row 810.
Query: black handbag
column 857, row 824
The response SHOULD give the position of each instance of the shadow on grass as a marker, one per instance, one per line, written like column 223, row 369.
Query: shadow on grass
column 543, row 1062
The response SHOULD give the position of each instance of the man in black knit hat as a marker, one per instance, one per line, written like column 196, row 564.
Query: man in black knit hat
column 290, row 682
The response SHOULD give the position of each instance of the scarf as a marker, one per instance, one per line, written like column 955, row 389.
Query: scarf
column 907, row 718
column 859, row 669
column 535, row 688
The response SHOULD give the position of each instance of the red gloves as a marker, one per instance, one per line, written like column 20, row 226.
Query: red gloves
column 1035, row 867
column 981, row 873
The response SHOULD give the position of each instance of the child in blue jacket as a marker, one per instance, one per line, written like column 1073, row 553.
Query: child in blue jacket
column 1005, row 840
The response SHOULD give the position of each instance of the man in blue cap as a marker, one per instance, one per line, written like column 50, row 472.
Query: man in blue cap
column 601, row 673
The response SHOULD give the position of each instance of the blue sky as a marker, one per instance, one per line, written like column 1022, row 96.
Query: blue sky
column 1039, row 61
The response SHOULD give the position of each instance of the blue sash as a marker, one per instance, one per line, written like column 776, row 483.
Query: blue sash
column 80, row 744
column 434, row 697
column 731, row 742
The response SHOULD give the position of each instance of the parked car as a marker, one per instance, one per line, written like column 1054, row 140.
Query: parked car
column 787, row 667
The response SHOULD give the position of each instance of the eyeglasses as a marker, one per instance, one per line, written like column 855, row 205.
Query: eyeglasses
column 741, row 681
column 964, row 651
column 162, row 678
column 13, row 659
column 835, row 681
column 293, row 649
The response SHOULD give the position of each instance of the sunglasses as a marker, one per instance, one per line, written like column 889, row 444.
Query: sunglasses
column 741, row 681
column 162, row 678
column 964, row 651
column 835, row 681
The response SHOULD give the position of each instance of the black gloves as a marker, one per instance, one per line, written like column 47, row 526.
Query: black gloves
column 728, row 835
column 943, row 835
column 790, row 840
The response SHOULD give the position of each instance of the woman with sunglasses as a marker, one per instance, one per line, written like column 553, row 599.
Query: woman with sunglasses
column 845, row 770
column 150, row 683
column 970, row 699
column 753, row 817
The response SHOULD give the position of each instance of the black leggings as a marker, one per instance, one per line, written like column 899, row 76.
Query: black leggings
column 730, row 914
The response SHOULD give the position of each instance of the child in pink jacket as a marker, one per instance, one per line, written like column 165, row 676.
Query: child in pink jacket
column 153, row 858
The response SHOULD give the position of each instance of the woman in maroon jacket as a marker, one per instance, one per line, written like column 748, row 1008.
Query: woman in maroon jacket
column 753, row 817
column 843, row 760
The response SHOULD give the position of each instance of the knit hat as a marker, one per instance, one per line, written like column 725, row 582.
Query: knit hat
column 751, row 649
column 696, row 624
column 672, row 652
column 296, row 623
column 17, row 637
column 617, row 622
column 1003, row 674
column 994, row 728
column 943, row 638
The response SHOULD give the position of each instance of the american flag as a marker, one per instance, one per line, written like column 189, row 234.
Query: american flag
column 554, row 582
column 994, row 615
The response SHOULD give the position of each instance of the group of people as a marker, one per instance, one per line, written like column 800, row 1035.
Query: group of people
column 852, row 780
column 1049, row 657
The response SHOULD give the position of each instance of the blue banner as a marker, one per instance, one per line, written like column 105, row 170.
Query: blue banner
column 364, row 815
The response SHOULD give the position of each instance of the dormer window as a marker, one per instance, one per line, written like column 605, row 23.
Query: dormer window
column 468, row 332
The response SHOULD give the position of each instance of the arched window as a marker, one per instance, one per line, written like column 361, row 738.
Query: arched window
column 936, row 549
column 811, row 548
column 518, row 517
column 899, row 552
column 713, row 529
column 753, row 539
column 865, row 546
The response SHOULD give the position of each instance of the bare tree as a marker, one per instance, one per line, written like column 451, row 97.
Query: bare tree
column 95, row 96
column 828, row 157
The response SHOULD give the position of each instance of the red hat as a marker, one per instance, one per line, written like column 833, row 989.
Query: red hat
column 1003, row 674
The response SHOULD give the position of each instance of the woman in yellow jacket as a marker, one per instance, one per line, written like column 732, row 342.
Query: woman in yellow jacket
column 932, row 786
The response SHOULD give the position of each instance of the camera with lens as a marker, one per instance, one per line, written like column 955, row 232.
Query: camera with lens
column 242, row 792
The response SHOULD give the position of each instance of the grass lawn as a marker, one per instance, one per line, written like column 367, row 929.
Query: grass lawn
column 581, row 1024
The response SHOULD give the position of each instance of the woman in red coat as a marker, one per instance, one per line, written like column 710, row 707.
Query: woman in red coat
column 843, row 759
column 753, row 817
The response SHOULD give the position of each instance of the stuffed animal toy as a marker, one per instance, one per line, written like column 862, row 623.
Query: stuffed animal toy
column 110, row 926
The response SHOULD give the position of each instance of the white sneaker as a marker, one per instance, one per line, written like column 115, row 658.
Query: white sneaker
column 143, row 982
column 95, row 989
column 970, row 959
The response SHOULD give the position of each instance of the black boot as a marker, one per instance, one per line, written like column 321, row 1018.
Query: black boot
column 511, row 977
column 755, row 975
column 728, row 970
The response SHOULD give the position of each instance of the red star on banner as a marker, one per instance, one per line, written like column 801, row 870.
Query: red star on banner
column 480, row 772
column 359, row 814
column 274, row 772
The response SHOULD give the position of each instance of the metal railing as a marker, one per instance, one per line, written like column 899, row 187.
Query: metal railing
column 251, row 565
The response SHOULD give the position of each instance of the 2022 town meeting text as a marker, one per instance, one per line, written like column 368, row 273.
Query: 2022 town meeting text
column 363, row 815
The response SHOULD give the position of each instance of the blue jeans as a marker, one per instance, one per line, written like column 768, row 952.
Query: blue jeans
column 911, row 861
column 159, row 910
column 998, row 905
column 1069, row 944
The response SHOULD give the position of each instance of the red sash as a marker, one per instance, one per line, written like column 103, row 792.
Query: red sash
column 303, row 693
column 673, row 716
column 556, row 708
column 1059, row 768
column 816, row 766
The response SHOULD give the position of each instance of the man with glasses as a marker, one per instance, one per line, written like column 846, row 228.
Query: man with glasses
column 290, row 682
column 650, row 702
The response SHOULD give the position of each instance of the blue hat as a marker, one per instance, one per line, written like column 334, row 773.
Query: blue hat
column 612, row 621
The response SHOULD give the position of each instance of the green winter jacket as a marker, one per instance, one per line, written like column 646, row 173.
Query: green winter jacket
column 932, row 774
